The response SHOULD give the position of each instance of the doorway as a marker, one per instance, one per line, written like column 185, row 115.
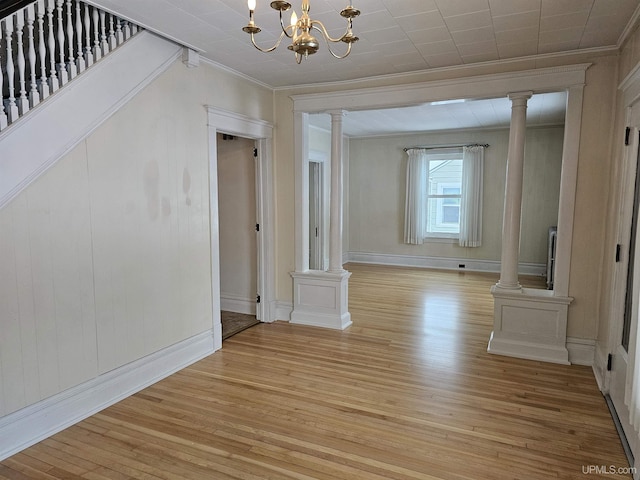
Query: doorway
column 238, row 240
column 261, row 132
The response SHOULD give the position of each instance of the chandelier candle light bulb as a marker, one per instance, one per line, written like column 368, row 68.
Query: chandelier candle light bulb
column 303, row 43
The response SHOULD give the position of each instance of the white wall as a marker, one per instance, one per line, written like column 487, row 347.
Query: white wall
column 106, row 258
column 237, row 214
column 377, row 193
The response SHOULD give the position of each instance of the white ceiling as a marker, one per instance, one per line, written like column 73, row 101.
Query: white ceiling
column 396, row 37
column 542, row 109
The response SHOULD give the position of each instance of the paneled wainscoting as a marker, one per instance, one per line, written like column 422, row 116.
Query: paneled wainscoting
column 407, row 392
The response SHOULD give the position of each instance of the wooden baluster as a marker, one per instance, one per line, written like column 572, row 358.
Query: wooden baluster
column 88, row 54
column 54, row 82
column 43, row 84
column 97, row 51
column 63, row 74
column 3, row 116
column 112, row 34
column 23, row 100
column 134, row 29
column 42, row 52
column 71, row 58
column 127, row 30
column 119, row 33
column 10, row 105
column 34, row 94
column 80, row 61
column 103, row 33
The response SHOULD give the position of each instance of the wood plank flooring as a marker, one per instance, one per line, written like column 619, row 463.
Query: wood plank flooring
column 407, row 392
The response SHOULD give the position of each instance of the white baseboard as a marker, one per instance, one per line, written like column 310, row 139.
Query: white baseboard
column 34, row 423
column 527, row 350
column 444, row 263
column 581, row 351
column 235, row 303
column 323, row 320
column 283, row 311
column 600, row 368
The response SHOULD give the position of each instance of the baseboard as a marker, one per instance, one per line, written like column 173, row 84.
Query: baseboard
column 444, row 263
column 601, row 358
column 528, row 350
column 323, row 320
column 581, row 351
column 283, row 311
column 34, row 423
column 237, row 304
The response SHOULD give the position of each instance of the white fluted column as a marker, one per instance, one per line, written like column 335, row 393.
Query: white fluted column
column 527, row 322
column 320, row 298
column 513, row 193
column 335, row 209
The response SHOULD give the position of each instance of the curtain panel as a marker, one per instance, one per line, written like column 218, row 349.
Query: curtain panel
column 415, row 204
column 471, row 199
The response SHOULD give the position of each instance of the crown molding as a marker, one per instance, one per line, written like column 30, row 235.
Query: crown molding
column 480, row 86
column 629, row 28
column 224, row 68
column 455, row 69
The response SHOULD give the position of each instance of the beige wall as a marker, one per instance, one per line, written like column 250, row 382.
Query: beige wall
column 377, row 198
column 106, row 257
column 594, row 168
column 629, row 58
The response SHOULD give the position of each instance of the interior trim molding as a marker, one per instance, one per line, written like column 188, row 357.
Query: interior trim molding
column 442, row 263
column 36, row 422
column 491, row 85
column 225, row 121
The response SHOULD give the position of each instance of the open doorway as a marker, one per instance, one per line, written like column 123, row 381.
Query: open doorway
column 238, row 243
column 261, row 132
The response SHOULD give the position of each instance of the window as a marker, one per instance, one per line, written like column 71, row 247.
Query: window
column 443, row 195
column 440, row 201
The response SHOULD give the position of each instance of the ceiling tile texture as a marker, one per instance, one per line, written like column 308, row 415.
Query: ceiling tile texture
column 396, row 36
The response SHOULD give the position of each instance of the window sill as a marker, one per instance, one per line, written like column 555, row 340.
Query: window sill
column 441, row 239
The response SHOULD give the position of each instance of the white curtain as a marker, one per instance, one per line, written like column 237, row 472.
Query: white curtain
column 415, row 204
column 471, row 201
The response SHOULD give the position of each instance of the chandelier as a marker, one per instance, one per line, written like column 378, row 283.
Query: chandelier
column 299, row 30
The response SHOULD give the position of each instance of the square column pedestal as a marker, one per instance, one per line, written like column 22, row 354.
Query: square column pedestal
column 530, row 323
column 320, row 299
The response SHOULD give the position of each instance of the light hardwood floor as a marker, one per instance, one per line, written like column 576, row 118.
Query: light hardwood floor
column 407, row 392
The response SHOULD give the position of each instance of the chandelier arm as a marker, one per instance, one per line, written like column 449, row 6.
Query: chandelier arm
column 339, row 57
column 325, row 34
column 267, row 50
column 284, row 29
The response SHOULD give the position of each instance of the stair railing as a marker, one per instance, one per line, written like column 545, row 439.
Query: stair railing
column 45, row 45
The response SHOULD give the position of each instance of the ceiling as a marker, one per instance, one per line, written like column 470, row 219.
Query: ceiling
column 542, row 109
column 396, row 37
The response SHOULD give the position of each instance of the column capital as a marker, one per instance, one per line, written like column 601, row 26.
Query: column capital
column 520, row 96
column 338, row 113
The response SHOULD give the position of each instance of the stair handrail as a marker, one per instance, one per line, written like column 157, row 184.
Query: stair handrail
column 46, row 44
